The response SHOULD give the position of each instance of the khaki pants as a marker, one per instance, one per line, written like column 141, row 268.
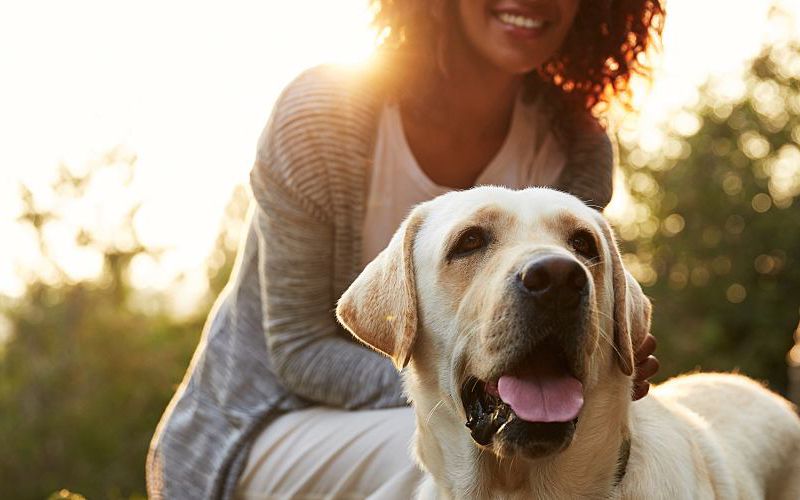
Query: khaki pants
column 333, row 454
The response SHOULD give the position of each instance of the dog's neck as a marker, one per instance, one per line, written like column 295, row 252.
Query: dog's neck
column 580, row 471
column 588, row 468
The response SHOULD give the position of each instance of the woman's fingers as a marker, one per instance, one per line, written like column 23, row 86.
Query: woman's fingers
column 647, row 368
column 646, row 348
column 640, row 390
column 647, row 365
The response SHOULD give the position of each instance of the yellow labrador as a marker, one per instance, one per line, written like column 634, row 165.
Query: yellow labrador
column 516, row 318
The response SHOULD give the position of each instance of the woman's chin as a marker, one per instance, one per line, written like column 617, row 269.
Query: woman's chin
column 516, row 64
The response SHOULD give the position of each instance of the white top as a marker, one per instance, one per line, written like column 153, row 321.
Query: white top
column 529, row 156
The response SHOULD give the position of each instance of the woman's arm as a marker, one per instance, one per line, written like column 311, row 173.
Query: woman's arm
column 309, row 353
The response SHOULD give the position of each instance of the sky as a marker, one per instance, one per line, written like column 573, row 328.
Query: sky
column 187, row 86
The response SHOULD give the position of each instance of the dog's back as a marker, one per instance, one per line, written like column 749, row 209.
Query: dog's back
column 743, row 439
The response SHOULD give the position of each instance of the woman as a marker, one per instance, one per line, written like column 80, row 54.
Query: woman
column 278, row 401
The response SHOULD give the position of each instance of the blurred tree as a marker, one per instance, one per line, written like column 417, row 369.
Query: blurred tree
column 85, row 375
column 222, row 259
column 716, row 236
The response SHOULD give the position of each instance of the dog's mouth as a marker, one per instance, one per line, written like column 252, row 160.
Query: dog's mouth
column 535, row 404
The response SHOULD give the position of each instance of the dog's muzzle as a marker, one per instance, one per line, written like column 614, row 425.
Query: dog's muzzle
column 533, row 403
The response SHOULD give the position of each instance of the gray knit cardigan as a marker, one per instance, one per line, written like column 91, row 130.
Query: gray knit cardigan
column 271, row 343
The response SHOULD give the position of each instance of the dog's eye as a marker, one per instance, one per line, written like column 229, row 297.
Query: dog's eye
column 469, row 241
column 584, row 245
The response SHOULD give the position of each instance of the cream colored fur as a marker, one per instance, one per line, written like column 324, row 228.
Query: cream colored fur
column 698, row 436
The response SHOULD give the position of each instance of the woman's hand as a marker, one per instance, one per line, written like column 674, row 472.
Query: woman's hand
column 646, row 366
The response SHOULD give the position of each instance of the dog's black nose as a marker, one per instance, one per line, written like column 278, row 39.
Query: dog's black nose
column 554, row 278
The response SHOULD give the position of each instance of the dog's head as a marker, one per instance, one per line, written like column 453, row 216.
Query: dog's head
column 512, row 307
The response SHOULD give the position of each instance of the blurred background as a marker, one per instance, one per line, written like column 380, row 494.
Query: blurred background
column 127, row 130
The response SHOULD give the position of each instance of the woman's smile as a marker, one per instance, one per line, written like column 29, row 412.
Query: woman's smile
column 526, row 23
column 526, row 20
column 516, row 36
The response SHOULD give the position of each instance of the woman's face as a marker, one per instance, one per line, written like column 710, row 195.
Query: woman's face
column 516, row 36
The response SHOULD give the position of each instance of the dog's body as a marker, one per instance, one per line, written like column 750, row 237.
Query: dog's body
column 518, row 318
column 693, row 437
column 713, row 436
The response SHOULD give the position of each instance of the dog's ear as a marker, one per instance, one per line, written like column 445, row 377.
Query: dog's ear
column 632, row 308
column 380, row 306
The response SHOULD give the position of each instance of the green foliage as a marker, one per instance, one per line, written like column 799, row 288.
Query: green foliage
column 84, row 381
column 86, row 374
column 717, row 239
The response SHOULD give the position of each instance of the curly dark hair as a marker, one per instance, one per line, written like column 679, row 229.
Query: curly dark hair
column 607, row 44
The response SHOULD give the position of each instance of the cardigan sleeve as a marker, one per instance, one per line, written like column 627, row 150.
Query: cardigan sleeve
column 589, row 170
column 309, row 353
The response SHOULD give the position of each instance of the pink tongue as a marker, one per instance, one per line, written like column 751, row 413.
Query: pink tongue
column 544, row 393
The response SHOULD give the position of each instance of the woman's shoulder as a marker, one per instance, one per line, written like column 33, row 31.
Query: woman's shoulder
column 334, row 78
column 324, row 102
column 585, row 141
column 321, row 127
column 336, row 91
column 588, row 173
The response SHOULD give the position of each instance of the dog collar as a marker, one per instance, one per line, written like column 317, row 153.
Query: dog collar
column 622, row 462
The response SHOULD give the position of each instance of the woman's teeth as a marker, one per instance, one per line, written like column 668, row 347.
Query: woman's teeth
column 520, row 21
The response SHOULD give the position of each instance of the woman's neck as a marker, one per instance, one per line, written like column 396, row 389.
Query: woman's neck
column 456, row 120
column 470, row 99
